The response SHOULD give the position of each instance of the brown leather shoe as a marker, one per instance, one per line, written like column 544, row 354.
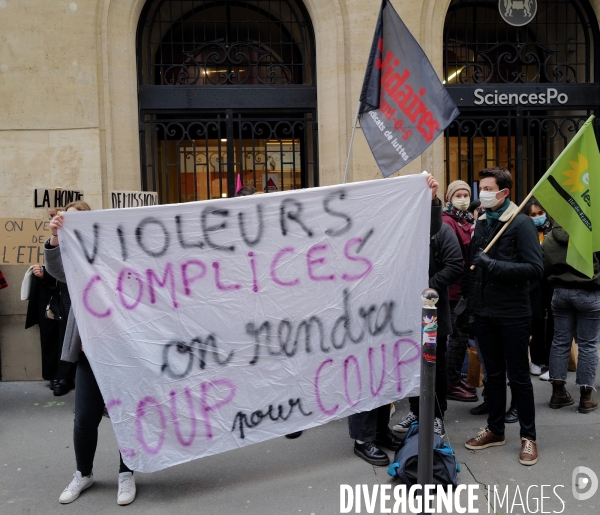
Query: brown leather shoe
column 587, row 403
column 484, row 440
column 458, row 393
column 560, row 397
column 529, row 453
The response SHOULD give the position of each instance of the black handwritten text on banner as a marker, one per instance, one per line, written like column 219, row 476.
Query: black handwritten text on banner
column 211, row 325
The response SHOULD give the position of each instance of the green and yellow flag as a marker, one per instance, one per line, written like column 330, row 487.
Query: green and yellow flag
column 570, row 193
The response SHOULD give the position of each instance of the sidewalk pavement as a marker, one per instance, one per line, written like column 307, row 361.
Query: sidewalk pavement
column 280, row 476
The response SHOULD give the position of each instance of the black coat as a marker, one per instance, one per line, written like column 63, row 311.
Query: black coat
column 39, row 295
column 445, row 266
column 504, row 292
column 41, row 292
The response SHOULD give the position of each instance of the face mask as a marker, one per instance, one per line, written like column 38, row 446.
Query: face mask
column 489, row 200
column 461, row 203
column 539, row 220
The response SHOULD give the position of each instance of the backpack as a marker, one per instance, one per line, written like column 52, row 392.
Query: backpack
column 445, row 465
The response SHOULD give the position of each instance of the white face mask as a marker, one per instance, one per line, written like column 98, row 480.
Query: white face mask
column 461, row 203
column 489, row 200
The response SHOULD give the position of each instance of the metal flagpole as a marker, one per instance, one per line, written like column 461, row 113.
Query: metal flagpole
column 427, row 389
column 351, row 142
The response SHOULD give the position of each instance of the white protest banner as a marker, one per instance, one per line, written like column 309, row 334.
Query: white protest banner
column 217, row 324
column 121, row 199
column 53, row 198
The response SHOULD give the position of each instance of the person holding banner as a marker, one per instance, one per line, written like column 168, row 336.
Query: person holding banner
column 89, row 404
column 370, row 429
column 445, row 268
column 498, row 301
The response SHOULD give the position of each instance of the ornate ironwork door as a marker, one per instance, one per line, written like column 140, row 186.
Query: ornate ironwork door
column 226, row 87
column 523, row 92
column 526, row 142
column 196, row 157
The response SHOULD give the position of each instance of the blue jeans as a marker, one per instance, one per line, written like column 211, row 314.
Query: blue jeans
column 576, row 314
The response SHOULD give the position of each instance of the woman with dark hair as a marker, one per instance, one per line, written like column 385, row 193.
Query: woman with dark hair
column 89, row 404
column 540, row 295
column 542, row 221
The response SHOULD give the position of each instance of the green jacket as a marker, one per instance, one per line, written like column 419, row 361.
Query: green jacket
column 559, row 274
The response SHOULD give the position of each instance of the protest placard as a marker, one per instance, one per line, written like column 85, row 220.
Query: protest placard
column 217, row 324
column 44, row 198
column 22, row 240
column 121, row 199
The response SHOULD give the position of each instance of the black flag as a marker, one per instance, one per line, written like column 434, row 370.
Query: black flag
column 404, row 106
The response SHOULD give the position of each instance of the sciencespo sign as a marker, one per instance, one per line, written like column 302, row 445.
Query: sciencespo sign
column 548, row 97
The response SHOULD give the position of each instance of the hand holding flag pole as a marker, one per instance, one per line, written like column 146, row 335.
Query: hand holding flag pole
column 567, row 192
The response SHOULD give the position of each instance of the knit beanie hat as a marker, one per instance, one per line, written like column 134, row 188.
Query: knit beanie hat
column 454, row 186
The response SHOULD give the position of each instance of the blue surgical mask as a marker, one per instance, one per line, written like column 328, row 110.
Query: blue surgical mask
column 539, row 220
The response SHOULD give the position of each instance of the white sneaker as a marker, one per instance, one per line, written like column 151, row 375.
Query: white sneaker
column 535, row 370
column 405, row 423
column 439, row 427
column 545, row 376
column 78, row 485
column 126, row 494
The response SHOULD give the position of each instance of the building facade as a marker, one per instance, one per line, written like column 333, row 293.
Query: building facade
column 179, row 96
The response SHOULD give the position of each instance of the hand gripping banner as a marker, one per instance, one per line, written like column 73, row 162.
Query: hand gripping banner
column 218, row 324
column 404, row 106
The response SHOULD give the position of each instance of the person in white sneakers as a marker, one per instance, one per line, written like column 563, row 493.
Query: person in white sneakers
column 89, row 404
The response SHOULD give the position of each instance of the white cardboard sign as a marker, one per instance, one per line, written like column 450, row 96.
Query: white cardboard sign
column 217, row 324
column 121, row 199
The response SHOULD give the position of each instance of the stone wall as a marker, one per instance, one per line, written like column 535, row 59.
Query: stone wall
column 69, row 118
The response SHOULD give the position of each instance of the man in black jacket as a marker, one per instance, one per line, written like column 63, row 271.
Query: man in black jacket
column 498, row 299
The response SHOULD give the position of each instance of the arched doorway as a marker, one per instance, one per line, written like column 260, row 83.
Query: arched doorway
column 523, row 91
column 226, row 88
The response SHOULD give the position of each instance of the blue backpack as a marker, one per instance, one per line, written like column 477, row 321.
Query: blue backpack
column 445, row 465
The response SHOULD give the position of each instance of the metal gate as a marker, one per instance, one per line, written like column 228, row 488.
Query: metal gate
column 526, row 142
column 196, row 157
column 226, row 88
column 502, row 78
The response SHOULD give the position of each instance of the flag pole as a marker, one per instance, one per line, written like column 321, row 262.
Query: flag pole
column 501, row 231
column 351, row 142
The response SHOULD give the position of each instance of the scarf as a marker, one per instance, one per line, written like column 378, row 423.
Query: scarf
column 493, row 216
column 457, row 214
column 543, row 230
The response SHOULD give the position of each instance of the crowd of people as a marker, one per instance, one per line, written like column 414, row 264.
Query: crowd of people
column 520, row 304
